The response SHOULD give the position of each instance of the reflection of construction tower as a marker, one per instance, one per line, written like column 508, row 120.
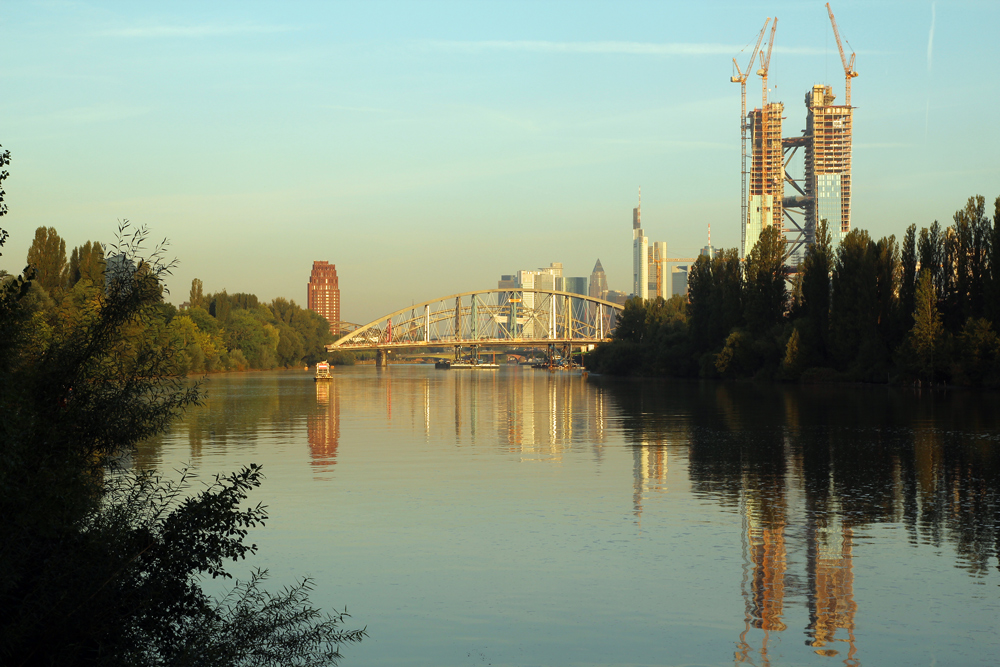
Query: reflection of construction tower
column 767, row 174
column 828, row 161
column 765, row 564
column 831, row 588
column 649, row 472
column 324, row 425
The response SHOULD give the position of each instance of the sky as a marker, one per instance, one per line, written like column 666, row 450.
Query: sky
column 426, row 148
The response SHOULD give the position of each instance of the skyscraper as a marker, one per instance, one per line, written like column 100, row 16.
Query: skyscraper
column 828, row 162
column 640, row 250
column 323, row 293
column 767, row 175
column 598, row 281
column 657, row 266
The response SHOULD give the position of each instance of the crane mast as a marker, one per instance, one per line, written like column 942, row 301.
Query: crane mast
column 849, row 72
column 765, row 63
column 742, row 80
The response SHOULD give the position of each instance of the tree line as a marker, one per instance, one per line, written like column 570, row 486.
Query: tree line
column 211, row 332
column 925, row 309
column 104, row 563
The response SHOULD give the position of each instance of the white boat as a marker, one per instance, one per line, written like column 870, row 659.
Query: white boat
column 323, row 372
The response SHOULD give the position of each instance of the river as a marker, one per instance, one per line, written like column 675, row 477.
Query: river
column 522, row 517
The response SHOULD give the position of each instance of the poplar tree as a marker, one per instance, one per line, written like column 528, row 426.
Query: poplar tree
column 925, row 337
column 47, row 256
column 908, row 275
column 766, row 296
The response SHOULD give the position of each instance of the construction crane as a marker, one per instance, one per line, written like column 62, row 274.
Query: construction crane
column 849, row 72
column 765, row 63
column 742, row 80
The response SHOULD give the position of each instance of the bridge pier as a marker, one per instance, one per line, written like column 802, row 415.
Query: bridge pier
column 381, row 358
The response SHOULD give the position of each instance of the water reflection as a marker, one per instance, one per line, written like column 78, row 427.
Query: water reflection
column 808, row 467
column 794, row 478
column 324, row 426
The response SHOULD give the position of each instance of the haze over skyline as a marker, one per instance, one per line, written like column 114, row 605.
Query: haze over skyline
column 426, row 149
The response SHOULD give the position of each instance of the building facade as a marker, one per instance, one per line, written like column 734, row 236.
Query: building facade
column 323, row 293
column 640, row 255
column 598, row 281
column 659, row 278
column 767, row 175
column 828, row 162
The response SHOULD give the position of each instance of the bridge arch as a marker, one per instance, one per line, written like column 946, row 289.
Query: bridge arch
column 489, row 317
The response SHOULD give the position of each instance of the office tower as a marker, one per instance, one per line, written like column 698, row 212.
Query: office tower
column 679, row 281
column 767, row 174
column 507, row 282
column 828, row 162
column 640, row 250
column 323, row 294
column 659, row 279
column 614, row 296
column 598, row 281
column 577, row 285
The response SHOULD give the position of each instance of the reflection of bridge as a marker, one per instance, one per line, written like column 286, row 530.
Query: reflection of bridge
column 494, row 318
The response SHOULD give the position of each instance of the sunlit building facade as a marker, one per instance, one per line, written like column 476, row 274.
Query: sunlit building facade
column 323, row 293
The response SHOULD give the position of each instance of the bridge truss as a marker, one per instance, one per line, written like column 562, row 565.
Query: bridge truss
column 497, row 317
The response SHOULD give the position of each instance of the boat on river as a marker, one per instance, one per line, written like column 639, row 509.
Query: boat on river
column 323, row 372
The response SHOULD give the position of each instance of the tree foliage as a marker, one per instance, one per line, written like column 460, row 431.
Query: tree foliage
column 926, row 309
column 102, row 564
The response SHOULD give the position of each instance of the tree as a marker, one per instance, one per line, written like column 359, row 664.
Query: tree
column 86, row 262
column 993, row 286
column 925, row 337
column 103, row 565
column 765, row 293
column 886, row 292
column 908, row 275
column 47, row 255
column 814, row 308
column 700, row 290
column 196, row 299
column 854, row 302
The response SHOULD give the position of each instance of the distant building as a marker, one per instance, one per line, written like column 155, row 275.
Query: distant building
column 640, row 254
column 659, row 279
column 323, row 295
column 598, row 281
column 577, row 286
column 679, row 281
column 507, row 282
column 614, row 296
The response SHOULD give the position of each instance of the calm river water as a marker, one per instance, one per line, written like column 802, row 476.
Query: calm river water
column 521, row 517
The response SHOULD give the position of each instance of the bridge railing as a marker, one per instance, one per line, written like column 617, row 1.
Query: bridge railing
column 496, row 316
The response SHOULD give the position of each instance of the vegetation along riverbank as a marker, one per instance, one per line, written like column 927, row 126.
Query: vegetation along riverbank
column 926, row 309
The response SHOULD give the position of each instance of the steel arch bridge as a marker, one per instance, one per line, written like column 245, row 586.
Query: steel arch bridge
column 496, row 317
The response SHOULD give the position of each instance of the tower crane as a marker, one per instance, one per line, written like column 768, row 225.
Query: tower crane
column 765, row 63
column 849, row 72
column 742, row 80
column 765, row 119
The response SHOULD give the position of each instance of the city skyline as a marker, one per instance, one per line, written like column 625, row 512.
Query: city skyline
column 390, row 137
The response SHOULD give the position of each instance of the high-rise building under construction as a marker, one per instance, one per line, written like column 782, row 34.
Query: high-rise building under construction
column 767, row 174
column 828, row 162
column 825, row 190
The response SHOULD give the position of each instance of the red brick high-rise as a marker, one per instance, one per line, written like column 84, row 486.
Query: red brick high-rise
column 324, row 293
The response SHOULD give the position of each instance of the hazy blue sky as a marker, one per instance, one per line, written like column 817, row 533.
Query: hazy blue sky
column 426, row 148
